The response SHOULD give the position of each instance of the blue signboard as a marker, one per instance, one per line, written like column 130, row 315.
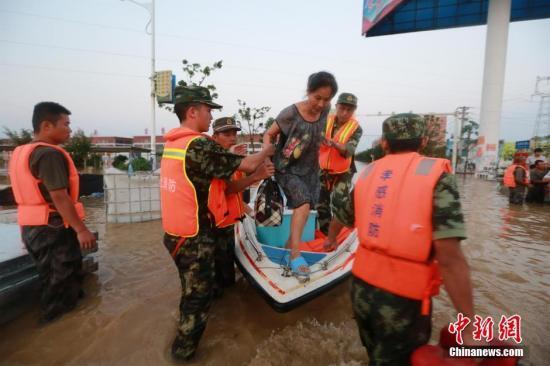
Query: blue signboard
column 523, row 145
column 394, row 17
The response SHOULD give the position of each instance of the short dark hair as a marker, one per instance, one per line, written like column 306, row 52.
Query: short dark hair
column 47, row 111
column 321, row 79
column 538, row 149
column 537, row 162
column 180, row 109
column 405, row 145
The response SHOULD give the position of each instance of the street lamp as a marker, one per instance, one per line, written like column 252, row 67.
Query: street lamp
column 150, row 7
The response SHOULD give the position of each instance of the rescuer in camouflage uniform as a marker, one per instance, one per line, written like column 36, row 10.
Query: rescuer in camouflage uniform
column 225, row 134
column 338, row 186
column 205, row 160
column 391, row 326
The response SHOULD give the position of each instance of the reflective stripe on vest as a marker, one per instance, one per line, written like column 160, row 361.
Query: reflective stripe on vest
column 394, row 225
column 32, row 208
column 509, row 179
column 179, row 202
column 330, row 158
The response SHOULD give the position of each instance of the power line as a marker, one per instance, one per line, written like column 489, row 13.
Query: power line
column 201, row 40
column 74, row 71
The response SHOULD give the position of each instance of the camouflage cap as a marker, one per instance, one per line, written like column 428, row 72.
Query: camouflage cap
column 194, row 94
column 404, row 126
column 347, row 98
column 225, row 124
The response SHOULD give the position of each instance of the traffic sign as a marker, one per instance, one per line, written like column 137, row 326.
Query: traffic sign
column 523, row 145
column 164, row 86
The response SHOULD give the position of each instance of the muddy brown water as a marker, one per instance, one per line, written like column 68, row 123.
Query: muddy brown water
column 128, row 316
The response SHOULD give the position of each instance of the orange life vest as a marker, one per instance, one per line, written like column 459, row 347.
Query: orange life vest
column 178, row 197
column 235, row 204
column 329, row 157
column 394, row 197
column 509, row 180
column 32, row 208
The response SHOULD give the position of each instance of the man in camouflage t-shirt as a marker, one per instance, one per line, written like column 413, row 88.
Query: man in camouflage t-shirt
column 195, row 258
column 391, row 326
column 338, row 186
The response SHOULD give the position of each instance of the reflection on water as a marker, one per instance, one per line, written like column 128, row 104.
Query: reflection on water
column 129, row 314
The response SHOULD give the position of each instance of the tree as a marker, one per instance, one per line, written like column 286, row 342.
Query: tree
column 436, row 138
column 140, row 164
column 119, row 162
column 79, row 146
column 269, row 122
column 196, row 75
column 252, row 117
column 24, row 136
column 468, row 137
column 94, row 160
column 508, row 151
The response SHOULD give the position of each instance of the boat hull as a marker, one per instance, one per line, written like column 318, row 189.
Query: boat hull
column 265, row 267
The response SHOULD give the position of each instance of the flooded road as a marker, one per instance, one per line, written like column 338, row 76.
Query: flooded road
column 128, row 316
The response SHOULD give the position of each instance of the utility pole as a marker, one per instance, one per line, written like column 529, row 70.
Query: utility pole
column 150, row 7
column 542, row 123
column 460, row 119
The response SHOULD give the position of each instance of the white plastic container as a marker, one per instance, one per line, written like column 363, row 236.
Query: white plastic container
column 131, row 198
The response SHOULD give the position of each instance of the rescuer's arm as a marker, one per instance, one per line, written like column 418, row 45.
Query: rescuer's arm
column 64, row 205
column 448, row 230
column 456, row 279
column 251, row 162
column 456, row 274
column 265, row 170
column 519, row 177
column 344, row 215
column 347, row 149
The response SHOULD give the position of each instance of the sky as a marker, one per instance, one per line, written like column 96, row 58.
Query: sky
column 94, row 57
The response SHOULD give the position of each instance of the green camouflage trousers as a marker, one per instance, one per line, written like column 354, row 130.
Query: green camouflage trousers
column 335, row 189
column 56, row 252
column 195, row 262
column 391, row 327
column 225, row 257
column 517, row 195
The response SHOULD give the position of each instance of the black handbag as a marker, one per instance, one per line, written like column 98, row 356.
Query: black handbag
column 269, row 207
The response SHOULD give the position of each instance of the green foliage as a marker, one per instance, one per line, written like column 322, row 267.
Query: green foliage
column 508, row 150
column 250, row 119
column 468, row 137
column 140, row 164
column 269, row 122
column 542, row 142
column 119, row 162
column 95, row 161
column 24, row 136
column 79, row 146
column 196, row 75
column 434, row 148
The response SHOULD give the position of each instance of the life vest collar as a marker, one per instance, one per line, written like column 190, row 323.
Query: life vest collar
column 181, row 132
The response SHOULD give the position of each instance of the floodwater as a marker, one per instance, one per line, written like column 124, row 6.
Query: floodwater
column 128, row 316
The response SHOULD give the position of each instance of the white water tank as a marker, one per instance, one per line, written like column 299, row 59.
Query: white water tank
column 131, row 198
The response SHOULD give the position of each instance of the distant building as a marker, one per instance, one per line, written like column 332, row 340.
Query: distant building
column 111, row 141
column 255, row 145
column 144, row 141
